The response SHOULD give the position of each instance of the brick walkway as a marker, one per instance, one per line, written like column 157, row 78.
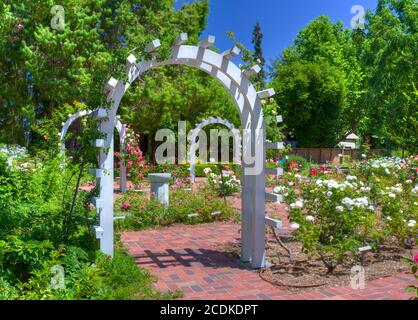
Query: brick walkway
column 185, row 258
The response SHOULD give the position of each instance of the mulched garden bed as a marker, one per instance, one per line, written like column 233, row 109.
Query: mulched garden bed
column 305, row 274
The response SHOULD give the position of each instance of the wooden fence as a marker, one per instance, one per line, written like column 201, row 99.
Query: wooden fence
column 322, row 155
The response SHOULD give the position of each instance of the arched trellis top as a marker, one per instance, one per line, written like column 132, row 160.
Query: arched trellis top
column 248, row 102
column 218, row 65
column 195, row 132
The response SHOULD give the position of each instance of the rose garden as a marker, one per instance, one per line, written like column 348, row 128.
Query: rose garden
column 153, row 165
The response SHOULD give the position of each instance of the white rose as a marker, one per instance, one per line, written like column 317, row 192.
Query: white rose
column 412, row 223
column 299, row 204
column 397, row 190
column 278, row 190
column 295, row 225
column 310, row 218
column 339, row 208
column 347, row 202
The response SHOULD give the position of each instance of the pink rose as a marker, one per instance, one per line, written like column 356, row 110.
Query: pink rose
column 126, row 205
column 416, row 258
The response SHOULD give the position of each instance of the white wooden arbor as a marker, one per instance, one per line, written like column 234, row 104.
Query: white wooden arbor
column 249, row 106
column 122, row 136
column 195, row 133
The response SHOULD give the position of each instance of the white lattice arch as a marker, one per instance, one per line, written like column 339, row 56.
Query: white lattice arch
column 122, row 136
column 195, row 133
column 248, row 103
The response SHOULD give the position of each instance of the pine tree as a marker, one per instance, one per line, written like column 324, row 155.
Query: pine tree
column 257, row 41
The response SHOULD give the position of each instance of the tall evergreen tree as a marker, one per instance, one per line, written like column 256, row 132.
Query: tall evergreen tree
column 43, row 70
column 258, row 54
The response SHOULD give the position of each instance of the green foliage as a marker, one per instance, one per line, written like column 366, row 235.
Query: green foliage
column 312, row 96
column 68, row 66
column 59, row 66
column 105, row 279
column 319, row 84
column 35, row 202
column 376, row 91
column 38, row 233
column 140, row 212
column 389, row 52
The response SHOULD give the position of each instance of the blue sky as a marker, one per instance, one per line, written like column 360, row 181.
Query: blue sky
column 280, row 19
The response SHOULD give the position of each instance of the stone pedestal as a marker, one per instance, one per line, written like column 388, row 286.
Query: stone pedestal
column 160, row 187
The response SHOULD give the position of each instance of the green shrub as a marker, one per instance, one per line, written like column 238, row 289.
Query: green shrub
column 37, row 232
column 105, row 279
column 35, row 203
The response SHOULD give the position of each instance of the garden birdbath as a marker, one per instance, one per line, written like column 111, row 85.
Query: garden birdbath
column 160, row 187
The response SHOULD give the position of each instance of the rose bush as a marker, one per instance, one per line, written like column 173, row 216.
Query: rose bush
column 335, row 212
column 333, row 218
column 225, row 184
column 138, row 168
column 132, row 158
column 414, row 270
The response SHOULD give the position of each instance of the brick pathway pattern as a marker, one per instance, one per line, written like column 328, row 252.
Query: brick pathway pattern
column 186, row 258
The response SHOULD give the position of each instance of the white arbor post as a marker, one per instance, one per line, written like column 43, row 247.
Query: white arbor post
column 122, row 168
column 259, row 203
